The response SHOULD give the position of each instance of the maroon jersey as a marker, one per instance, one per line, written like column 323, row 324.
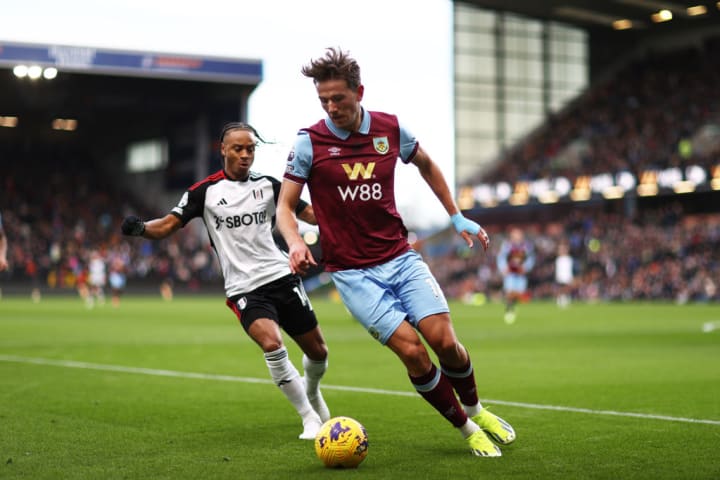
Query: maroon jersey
column 352, row 191
column 516, row 258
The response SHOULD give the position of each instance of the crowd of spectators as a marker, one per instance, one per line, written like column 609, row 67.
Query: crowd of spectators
column 658, row 254
column 54, row 228
column 645, row 117
column 661, row 254
column 660, row 111
column 638, row 119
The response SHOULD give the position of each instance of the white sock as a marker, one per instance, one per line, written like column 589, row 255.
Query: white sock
column 472, row 410
column 469, row 428
column 314, row 371
column 286, row 376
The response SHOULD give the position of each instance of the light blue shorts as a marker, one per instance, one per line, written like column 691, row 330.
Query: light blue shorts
column 515, row 283
column 383, row 296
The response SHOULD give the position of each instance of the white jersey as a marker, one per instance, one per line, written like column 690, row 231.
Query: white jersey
column 97, row 275
column 564, row 269
column 239, row 217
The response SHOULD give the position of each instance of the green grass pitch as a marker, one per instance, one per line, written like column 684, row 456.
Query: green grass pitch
column 155, row 390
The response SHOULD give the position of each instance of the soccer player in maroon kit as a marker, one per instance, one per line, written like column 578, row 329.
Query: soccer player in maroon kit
column 514, row 260
column 348, row 162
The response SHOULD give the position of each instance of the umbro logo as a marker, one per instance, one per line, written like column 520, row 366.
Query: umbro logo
column 222, row 202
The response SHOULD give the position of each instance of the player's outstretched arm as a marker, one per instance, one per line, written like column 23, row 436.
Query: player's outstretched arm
column 301, row 259
column 434, row 177
column 156, row 229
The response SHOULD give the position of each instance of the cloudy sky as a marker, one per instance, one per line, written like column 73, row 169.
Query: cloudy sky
column 404, row 48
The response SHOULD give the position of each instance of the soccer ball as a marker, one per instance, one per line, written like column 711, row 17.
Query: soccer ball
column 342, row 442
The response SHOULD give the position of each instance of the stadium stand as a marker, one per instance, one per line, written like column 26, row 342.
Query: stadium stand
column 54, row 230
column 64, row 190
column 634, row 122
column 665, row 248
column 662, row 254
column 657, row 113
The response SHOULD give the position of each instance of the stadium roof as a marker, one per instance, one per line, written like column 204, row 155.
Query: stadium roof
column 607, row 44
column 87, row 59
column 114, row 96
column 599, row 16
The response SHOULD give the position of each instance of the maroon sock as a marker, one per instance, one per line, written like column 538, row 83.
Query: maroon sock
column 436, row 389
column 463, row 381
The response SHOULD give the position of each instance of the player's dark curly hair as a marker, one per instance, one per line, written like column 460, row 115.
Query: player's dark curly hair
column 240, row 126
column 335, row 65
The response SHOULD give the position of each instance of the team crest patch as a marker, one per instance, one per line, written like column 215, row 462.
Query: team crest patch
column 374, row 333
column 381, row 145
column 242, row 303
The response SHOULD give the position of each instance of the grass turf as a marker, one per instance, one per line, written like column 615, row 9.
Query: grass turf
column 594, row 391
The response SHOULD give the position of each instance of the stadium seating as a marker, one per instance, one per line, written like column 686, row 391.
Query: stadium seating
column 637, row 119
column 633, row 121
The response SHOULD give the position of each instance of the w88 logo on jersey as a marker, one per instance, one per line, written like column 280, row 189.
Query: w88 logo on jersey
column 363, row 192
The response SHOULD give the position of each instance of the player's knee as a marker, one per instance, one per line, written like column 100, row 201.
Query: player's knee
column 270, row 345
column 448, row 350
column 317, row 352
column 415, row 357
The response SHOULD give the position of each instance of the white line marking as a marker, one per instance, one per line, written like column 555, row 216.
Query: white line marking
column 231, row 378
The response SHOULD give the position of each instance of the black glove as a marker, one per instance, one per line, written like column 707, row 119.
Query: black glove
column 132, row 225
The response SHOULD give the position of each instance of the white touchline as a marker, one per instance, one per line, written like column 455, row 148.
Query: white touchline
column 231, row 378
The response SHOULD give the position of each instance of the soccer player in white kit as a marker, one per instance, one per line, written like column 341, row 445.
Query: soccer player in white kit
column 564, row 275
column 97, row 279
column 237, row 206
